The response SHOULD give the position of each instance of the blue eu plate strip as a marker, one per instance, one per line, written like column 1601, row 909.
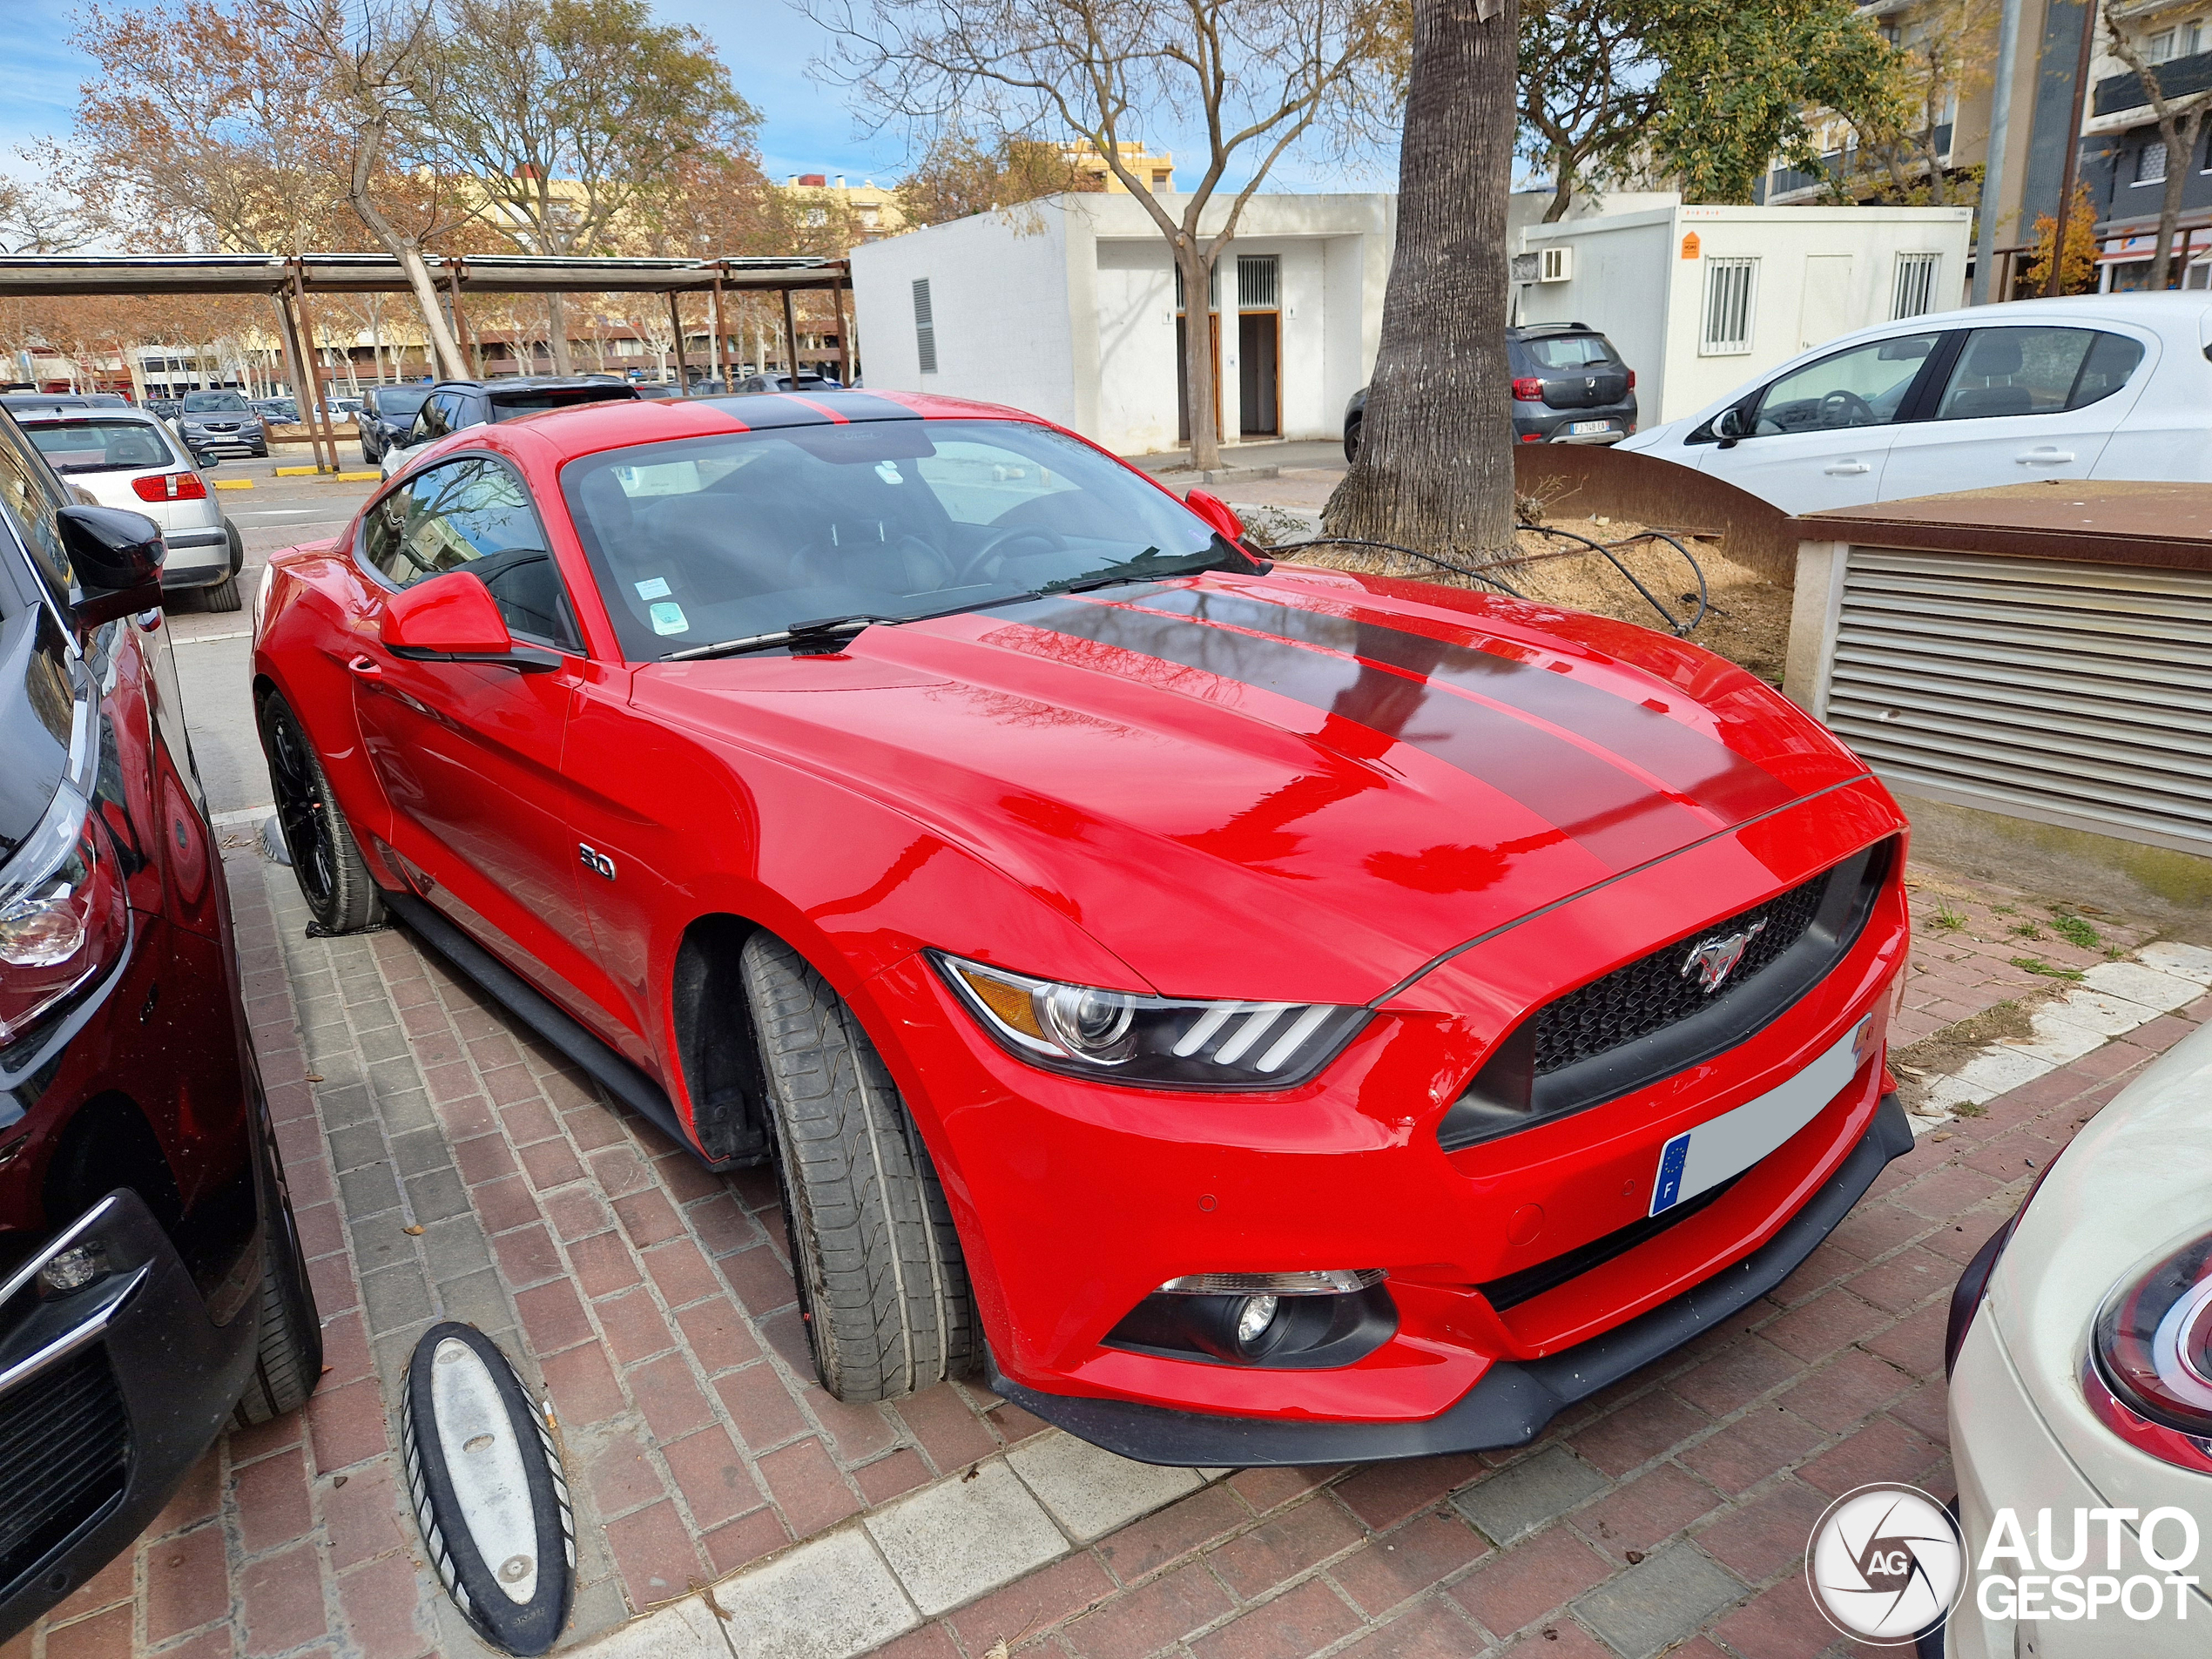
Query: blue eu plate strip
column 1665, row 1191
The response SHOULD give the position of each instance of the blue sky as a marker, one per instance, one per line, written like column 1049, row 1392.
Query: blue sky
column 767, row 44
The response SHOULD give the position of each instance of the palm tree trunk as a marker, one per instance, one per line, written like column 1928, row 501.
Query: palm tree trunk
column 1435, row 466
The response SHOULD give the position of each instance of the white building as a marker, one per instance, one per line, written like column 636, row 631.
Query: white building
column 1068, row 307
column 1698, row 300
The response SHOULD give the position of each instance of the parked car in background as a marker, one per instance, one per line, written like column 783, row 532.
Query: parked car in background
column 2097, row 385
column 455, row 404
column 165, row 409
column 18, row 403
column 892, row 790
column 280, row 411
column 2077, row 1358
column 152, row 1292
column 774, row 382
column 1569, row 386
column 126, row 458
column 656, row 388
column 387, row 412
column 221, row 423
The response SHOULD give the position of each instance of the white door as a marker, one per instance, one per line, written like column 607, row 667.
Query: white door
column 1823, row 303
column 2022, row 404
column 1821, row 434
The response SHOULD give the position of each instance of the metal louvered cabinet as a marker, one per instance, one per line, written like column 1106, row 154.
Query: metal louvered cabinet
column 2075, row 693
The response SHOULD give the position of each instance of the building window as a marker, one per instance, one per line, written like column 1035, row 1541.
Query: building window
column 2183, row 40
column 1259, row 283
column 1213, row 288
column 1914, row 293
column 925, row 327
column 2150, row 164
column 1730, row 288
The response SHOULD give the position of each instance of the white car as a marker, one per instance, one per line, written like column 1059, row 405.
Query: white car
column 2098, row 386
column 2081, row 1388
column 128, row 458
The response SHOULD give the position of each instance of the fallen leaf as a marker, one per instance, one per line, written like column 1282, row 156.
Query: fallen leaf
column 997, row 1649
column 1635, row 1558
column 1941, row 1135
column 314, row 1076
column 337, row 1479
column 415, row 1231
column 973, row 1469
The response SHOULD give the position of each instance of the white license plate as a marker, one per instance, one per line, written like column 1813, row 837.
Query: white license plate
column 1581, row 427
column 1705, row 1156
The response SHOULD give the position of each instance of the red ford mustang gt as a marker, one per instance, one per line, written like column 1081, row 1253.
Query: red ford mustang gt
column 1252, row 1014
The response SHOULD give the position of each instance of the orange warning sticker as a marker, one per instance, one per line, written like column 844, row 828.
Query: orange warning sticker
column 1689, row 246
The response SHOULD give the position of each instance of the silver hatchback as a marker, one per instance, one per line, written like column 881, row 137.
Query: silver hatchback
column 127, row 458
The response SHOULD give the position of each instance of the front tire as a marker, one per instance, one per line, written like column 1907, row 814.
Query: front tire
column 287, row 1359
column 882, row 1286
column 334, row 877
column 1351, row 439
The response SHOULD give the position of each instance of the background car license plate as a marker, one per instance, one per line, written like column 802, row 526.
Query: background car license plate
column 1705, row 1157
column 1591, row 426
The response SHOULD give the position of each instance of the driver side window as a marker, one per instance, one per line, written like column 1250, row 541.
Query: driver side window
column 473, row 515
column 1865, row 386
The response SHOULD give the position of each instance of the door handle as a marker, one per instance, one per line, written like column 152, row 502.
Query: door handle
column 365, row 665
column 2046, row 456
column 1845, row 469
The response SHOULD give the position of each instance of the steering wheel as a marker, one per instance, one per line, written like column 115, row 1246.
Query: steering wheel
column 995, row 546
column 1855, row 409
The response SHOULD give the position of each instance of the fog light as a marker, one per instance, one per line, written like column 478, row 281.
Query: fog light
column 1253, row 1317
column 73, row 1269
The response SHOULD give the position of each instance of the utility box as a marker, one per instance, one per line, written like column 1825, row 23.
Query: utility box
column 1698, row 300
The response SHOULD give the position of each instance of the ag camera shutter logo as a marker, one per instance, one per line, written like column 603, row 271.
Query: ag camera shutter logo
column 1886, row 1562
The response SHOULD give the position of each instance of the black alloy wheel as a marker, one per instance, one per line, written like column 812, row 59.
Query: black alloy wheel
column 334, row 879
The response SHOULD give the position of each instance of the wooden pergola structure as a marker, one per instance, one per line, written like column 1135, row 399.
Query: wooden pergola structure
column 292, row 281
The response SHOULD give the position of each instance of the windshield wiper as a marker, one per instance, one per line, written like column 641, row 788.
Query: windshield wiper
column 1140, row 568
column 798, row 633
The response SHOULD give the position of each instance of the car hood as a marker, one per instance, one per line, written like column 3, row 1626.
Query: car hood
column 1302, row 786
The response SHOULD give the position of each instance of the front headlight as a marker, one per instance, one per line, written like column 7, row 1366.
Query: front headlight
column 1150, row 1042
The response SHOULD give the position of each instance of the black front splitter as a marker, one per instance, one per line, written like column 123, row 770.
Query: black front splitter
column 1515, row 1399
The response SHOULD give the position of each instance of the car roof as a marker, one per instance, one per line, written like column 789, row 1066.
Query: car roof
column 620, row 423
column 47, row 412
column 532, row 383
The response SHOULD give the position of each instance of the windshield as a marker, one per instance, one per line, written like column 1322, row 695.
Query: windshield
column 730, row 537
column 95, row 445
column 215, row 403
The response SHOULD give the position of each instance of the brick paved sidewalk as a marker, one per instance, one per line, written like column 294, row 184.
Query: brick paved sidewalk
column 446, row 1166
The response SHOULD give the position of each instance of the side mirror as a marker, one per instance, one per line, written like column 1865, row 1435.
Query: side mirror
column 452, row 618
column 1217, row 513
column 204, row 460
column 117, row 557
column 1732, row 425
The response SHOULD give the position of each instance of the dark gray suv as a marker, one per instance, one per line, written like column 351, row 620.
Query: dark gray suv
column 1569, row 386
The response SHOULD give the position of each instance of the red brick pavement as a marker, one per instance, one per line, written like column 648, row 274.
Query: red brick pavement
column 654, row 1305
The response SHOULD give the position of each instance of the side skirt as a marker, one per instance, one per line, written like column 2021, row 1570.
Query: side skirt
column 530, row 1005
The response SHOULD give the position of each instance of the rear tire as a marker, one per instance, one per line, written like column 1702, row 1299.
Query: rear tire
column 1351, row 439
column 334, row 877
column 882, row 1286
column 223, row 596
column 287, row 1359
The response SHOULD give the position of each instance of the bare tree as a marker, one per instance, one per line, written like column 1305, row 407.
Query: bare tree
column 34, row 219
column 2180, row 120
column 573, row 115
column 1435, row 463
column 1256, row 76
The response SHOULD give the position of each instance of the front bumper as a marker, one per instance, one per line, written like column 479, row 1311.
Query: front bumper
column 111, row 1395
column 1515, row 1399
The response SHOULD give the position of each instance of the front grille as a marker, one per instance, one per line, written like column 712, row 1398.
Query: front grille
column 1653, row 993
column 64, row 1453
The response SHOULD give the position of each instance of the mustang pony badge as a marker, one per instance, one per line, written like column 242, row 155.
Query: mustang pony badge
column 1714, row 960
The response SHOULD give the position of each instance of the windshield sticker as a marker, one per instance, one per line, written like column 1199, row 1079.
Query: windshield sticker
column 656, row 589
column 888, row 471
column 668, row 618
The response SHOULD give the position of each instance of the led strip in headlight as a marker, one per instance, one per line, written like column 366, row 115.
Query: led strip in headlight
column 1161, row 1043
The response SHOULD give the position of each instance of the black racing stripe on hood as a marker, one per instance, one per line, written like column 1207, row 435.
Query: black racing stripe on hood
column 1618, row 817
column 1678, row 755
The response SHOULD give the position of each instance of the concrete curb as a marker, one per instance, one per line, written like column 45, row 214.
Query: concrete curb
column 2111, row 1000
column 847, row 1591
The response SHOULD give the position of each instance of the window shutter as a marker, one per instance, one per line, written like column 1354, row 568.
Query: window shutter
column 925, row 327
